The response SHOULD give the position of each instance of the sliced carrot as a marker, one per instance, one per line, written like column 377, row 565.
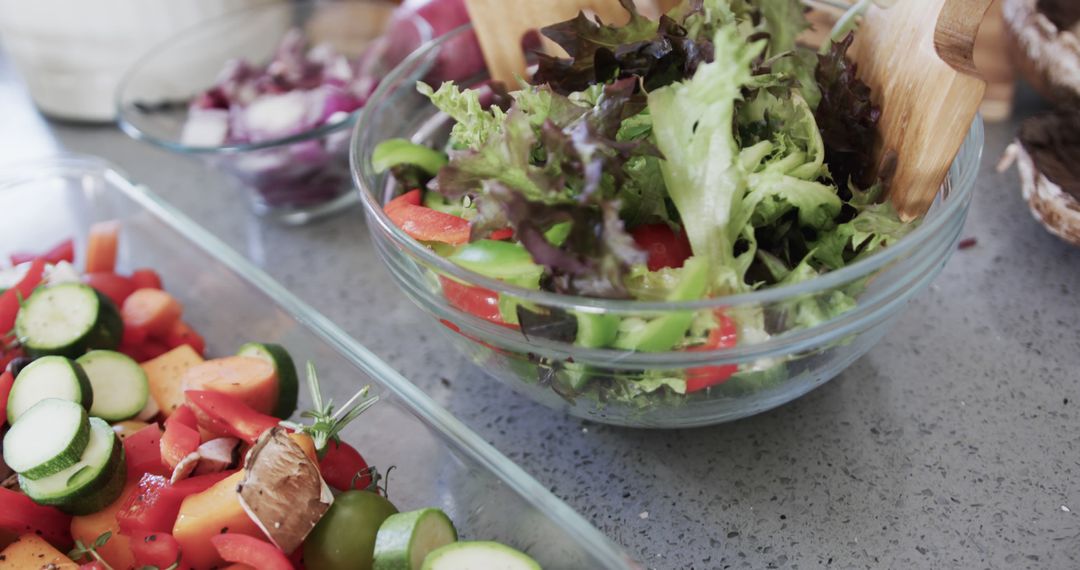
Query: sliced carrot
column 101, row 246
column 251, row 380
column 152, row 310
column 209, row 513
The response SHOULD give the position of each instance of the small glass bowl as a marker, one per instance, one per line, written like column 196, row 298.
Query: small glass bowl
column 635, row 388
column 294, row 179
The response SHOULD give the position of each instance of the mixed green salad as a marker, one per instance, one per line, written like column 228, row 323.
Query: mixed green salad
column 700, row 155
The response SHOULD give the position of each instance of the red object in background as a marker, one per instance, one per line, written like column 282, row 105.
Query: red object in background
column 478, row 301
column 156, row 503
column 115, row 287
column 181, row 333
column 225, row 415
column 157, row 549
column 142, row 452
column 63, row 251
column 20, row 515
column 243, row 549
column 146, row 279
column 426, row 224
column 6, row 380
column 10, row 299
column 664, row 247
column 340, row 466
column 725, row 335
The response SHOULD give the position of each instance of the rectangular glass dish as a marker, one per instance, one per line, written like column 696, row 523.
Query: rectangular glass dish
column 439, row 462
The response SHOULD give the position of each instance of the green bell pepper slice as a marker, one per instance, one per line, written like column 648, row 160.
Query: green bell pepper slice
column 664, row 332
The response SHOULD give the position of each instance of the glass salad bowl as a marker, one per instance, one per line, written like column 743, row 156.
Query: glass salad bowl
column 788, row 339
column 289, row 155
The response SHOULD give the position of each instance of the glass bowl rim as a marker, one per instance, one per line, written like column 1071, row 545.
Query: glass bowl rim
column 129, row 127
column 958, row 188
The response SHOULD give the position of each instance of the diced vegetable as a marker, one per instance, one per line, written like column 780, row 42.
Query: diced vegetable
column 87, row 528
column 155, row 503
column 102, row 243
column 392, row 152
column 664, row 247
column 663, row 332
column 225, row 415
column 91, row 484
column 165, row 374
column 345, row 537
column 181, row 333
column 19, row 514
column 426, row 224
column 725, row 335
column 116, row 287
column 212, row 512
column 478, row 301
column 481, row 554
column 288, row 383
column 11, row 299
column 48, row 439
column 181, row 437
column 153, row 310
column 143, row 452
column 251, row 380
column 146, row 279
column 251, row 551
column 49, row 377
column 343, row 467
column 68, row 319
column 32, row 551
column 7, row 379
column 128, row 428
column 405, row 539
column 155, row 549
column 119, row 384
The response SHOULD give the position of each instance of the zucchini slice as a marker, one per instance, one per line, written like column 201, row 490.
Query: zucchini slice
column 119, row 384
column 48, row 439
column 480, row 554
column 48, row 377
column 405, row 539
column 288, row 384
column 95, row 481
column 67, row 319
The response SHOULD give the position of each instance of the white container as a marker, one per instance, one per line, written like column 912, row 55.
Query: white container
column 72, row 53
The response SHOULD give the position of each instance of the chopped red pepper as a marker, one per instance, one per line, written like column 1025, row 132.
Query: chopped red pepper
column 155, row 549
column 663, row 246
column 725, row 335
column 181, row 436
column 20, row 515
column 426, row 224
column 182, row 333
column 142, row 452
column 63, row 251
column 223, row 414
column 243, row 549
column 116, row 287
column 478, row 301
column 6, row 380
column 344, row 468
column 146, row 279
column 10, row 299
column 156, row 503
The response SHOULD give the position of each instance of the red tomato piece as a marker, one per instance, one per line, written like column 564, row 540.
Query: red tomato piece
column 181, row 436
column 6, row 380
column 153, row 348
column 144, row 278
column 426, row 224
column 505, row 233
column 142, row 452
column 182, row 333
column 478, row 301
column 226, row 415
column 134, row 335
column 63, row 251
column 95, row 565
column 20, row 515
column 249, row 550
column 157, row 549
column 344, row 468
column 116, row 287
column 725, row 335
column 664, row 247
column 154, row 506
column 10, row 299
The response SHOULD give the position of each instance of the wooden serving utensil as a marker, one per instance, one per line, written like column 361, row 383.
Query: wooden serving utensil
column 917, row 56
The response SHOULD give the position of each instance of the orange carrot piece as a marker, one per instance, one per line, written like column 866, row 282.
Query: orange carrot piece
column 101, row 246
column 153, row 310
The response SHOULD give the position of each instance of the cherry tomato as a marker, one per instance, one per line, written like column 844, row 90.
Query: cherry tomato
column 664, row 247
column 344, row 468
column 115, row 287
column 725, row 335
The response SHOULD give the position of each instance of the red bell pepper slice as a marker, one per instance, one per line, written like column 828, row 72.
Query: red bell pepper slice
column 146, row 279
column 182, row 333
column 663, row 246
column 243, row 549
column 225, row 415
column 10, row 299
column 426, row 224
column 343, row 467
column 181, row 436
column 63, row 251
column 478, row 301
column 142, row 452
column 6, row 381
column 725, row 335
column 156, row 503
column 156, row 549
column 20, row 515
column 116, row 287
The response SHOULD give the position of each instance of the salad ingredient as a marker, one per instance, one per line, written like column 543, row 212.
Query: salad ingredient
column 288, row 385
column 165, row 375
column 155, row 549
column 48, row 377
column 328, row 421
column 394, row 152
column 51, row 437
column 251, row 551
column 663, row 247
column 725, row 335
column 282, row 490
column 101, row 246
column 345, row 537
column 405, row 539
column 127, row 428
column 152, row 310
column 118, row 383
column 426, row 224
column 20, row 515
column 664, row 332
column 209, row 513
column 479, row 554
column 155, row 502
column 67, row 319
column 11, row 299
column 146, row 278
column 7, row 379
column 116, row 287
column 90, row 528
column 251, row 380
column 343, row 468
column 181, row 333
column 63, row 251
column 32, row 551
column 218, row 454
column 95, row 481
column 142, row 451
column 478, row 301
column 222, row 414
column 180, row 438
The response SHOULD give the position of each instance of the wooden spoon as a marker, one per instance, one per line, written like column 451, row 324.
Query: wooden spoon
column 917, row 58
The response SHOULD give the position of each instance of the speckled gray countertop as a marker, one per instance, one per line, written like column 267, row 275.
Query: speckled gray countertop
column 953, row 444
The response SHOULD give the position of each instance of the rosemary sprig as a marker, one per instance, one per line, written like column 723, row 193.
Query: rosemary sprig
column 326, row 422
column 81, row 550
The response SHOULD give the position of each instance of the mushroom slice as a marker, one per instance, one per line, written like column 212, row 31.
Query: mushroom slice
column 218, row 455
column 1047, row 154
column 185, row 467
column 282, row 490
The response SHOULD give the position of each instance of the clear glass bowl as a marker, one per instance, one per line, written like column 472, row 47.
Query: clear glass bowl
column 625, row 387
column 294, row 179
column 439, row 461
